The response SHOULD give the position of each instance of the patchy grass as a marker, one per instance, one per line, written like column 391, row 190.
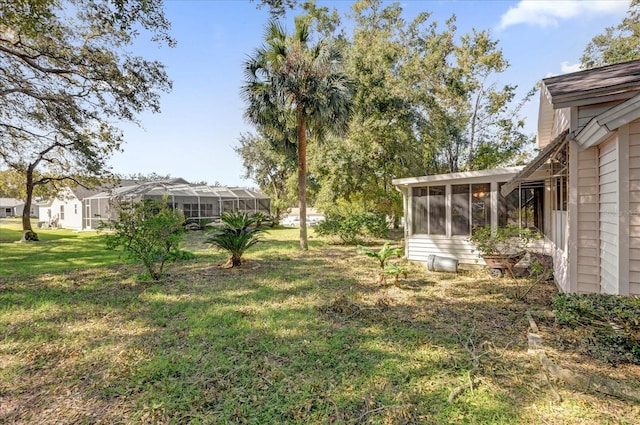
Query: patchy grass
column 290, row 337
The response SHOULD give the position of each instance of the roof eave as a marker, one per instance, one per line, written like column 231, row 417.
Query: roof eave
column 412, row 181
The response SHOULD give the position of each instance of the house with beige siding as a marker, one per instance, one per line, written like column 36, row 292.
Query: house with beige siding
column 582, row 191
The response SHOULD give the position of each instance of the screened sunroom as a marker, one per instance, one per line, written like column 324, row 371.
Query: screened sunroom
column 197, row 202
column 441, row 211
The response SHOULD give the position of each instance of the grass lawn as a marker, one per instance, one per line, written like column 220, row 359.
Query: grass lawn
column 290, row 337
column 59, row 250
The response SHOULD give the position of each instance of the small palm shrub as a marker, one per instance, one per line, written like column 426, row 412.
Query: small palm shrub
column 238, row 233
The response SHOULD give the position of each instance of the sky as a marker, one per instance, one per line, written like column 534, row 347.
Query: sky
column 194, row 135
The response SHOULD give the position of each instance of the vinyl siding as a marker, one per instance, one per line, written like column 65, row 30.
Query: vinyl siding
column 587, row 237
column 608, row 229
column 634, row 208
column 587, row 112
column 420, row 247
column 72, row 220
column 560, row 122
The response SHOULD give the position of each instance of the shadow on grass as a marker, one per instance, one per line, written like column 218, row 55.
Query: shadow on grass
column 265, row 343
column 231, row 345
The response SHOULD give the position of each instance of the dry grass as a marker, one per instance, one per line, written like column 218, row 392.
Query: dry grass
column 290, row 337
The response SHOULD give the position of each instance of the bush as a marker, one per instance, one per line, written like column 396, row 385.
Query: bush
column 30, row 236
column 610, row 324
column 240, row 232
column 509, row 239
column 349, row 228
column 376, row 224
column 148, row 231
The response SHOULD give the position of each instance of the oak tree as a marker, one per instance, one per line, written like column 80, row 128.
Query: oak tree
column 67, row 79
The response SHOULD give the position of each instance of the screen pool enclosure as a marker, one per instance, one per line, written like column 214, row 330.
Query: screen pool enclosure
column 197, row 202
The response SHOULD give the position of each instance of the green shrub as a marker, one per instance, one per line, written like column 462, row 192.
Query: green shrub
column 610, row 324
column 148, row 231
column 240, row 231
column 30, row 236
column 376, row 224
column 350, row 228
column 182, row 255
column 509, row 239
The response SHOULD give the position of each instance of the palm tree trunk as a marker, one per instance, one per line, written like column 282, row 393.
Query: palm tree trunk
column 302, row 180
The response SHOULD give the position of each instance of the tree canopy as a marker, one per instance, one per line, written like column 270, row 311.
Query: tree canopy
column 68, row 80
column 426, row 101
column 617, row 44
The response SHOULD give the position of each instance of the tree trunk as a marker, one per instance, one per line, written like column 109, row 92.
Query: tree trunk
column 26, row 213
column 302, row 180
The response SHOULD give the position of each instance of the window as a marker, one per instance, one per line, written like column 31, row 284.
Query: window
column 508, row 207
column 75, row 209
column 263, row 205
column 480, row 205
column 437, row 212
column 523, row 206
column 420, row 212
column 561, row 193
column 460, row 209
column 228, row 206
column 429, row 214
column 206, row 210
column 61, row 212
column 531, row 200
column 190, row 210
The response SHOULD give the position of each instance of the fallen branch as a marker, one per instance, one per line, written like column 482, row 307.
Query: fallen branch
column 459, row 389
column 471, row 348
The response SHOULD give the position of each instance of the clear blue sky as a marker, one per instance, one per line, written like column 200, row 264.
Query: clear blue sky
column 201, row 119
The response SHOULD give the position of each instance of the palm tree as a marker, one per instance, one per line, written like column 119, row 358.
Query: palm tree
column 291, row 84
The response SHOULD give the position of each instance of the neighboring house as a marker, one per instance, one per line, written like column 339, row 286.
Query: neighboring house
column 586, row 179
column 65, row 210
column 197, row 202
column 11, row 207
